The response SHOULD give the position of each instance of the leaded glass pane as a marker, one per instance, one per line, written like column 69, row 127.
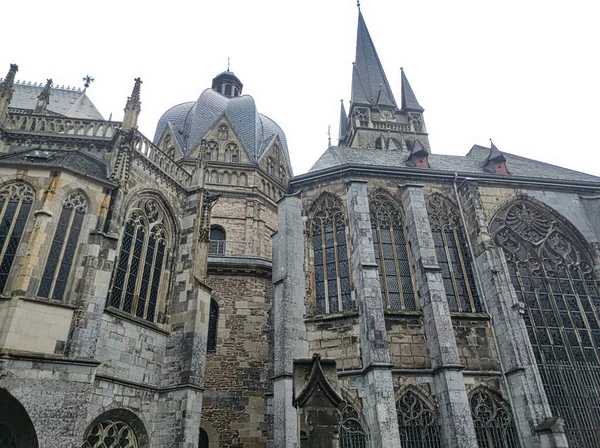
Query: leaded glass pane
column 352, row 434
column 494, row 425
column 418, row 424
column 111, row 434
column 140, row 240
column 213, row 318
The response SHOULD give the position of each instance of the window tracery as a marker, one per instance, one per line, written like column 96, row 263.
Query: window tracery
column 453, row 255
column 552, row 275
column 142, row 259
column 64, row 245
column 212, row 151
column 392, row 254
column 223, row 132
column 217, row 241
column 16, row 200
column 111, row 434
column 494, row 425
column 282, row 174
column 213, row 319
column 352, row 434
column 233, row 151
column 418, row 423
column 330, row 251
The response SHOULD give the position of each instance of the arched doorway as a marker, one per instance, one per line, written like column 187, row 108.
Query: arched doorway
column 16, row 428
column 203, row 439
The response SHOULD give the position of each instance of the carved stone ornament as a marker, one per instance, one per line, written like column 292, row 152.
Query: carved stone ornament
column 17, row 191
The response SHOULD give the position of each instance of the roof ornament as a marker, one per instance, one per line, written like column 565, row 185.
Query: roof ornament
column 87, row 80
column 228, row 63
column 132, row 107
column 43, row 98
column 9, row 81
column 358, row 4
column 329, row 136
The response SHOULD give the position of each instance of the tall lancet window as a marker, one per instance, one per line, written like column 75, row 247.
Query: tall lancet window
column 453, row 255
column 63, row 247
column 552, row 275
column 392, row 253
column 330, row 250
column 142, row 258
column 16, row 200
column 494, row 425
column 417, row 422
column 352, row 434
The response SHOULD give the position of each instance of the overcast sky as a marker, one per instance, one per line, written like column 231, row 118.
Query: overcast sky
column 523, row 72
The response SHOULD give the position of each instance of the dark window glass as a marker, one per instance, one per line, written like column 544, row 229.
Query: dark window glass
column 494, row 425
column 352, row 434
column 217, row 241
column 418, row 423
column 211, row 344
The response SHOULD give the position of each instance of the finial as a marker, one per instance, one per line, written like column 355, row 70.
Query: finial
column 329, row 136
column 87, row 80
column 358, row 4
column 401, row 69
column 342, row 100
column 135, row 94
column 228, row 63
column 45, row 94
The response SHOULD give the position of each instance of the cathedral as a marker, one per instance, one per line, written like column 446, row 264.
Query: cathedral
column 156, row 291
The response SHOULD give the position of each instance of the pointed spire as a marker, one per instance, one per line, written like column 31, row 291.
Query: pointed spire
column 133, row 107
column 343, row 123
column 495, row 162
column 368, row 74
column 43, row 98
column 409, row 100
column 495, row 155
column 6, row 90
column 418, row 154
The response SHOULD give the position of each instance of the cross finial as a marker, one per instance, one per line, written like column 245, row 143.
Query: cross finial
column 358, row 4
column 87, row 80
column 228, row 63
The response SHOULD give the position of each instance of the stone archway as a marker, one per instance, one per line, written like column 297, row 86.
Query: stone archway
column 209, row 436
column 16, row 428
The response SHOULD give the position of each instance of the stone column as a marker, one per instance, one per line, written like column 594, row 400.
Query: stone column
column 455, row 414
column 288, row 318
column 531, row 411
column 379, row 404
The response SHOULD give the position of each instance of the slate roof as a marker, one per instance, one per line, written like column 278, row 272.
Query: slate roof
column 409, row 99
column 193, row 120
column 77, row 161
column 472, row 163
column 369, row 83
column 68, row 103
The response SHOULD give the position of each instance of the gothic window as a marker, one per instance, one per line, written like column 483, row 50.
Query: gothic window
column 392, row 254
column 111, row 434
column 282, row 174
column 213, row 320
column 212, row 151
column 270, row 166
column 16, row 200
column 453, row 255
column 63, row 247
column 204, row 442
column 331, row 269
column 217, row 241
column 553, row 277
column 494, row 425
column 417, row 422
column 352, row 434
column 167, row 141
column 362, row 116
column 223, row 132
column 141, row 262
column 234, row 152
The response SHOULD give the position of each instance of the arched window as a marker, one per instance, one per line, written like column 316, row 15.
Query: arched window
column 63, row 248
column 223, row 132
column 453, row 255
column 16, row 428
column 552, row 275
column 212, row 151
column 111, row 434
column 16, row 200
column 217, row 241
column 331, row 269
column 203, row 439
column 282, row 174
column 417, row 422
column 142, row 259
column 213, row 320
column 234, row 152
column 270, row 166
column 494, row 425
column 392, row 254
column 352, row 434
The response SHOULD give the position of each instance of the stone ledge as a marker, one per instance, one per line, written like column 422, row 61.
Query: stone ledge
column 403, row 313
column 46, row 357
column 334, row 316
column 46, row 301
column 135, row 320
column 470, row 316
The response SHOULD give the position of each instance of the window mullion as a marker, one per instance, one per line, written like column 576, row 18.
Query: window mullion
column 397, row 267
column 325, row 280
column 464, row 269
column 140, row 272
column 149, row 290
column 10, row 230
column 62, row 252
column 450, row 268
column 128, row 265
column 338, row 279
column 382, row 267
column 411, row 269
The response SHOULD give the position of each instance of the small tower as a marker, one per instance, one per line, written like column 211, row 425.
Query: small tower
column 495, row 162
column 418, row 155
column 6, row 91
column 227, row 84
column 43, row 99
column 133, row 107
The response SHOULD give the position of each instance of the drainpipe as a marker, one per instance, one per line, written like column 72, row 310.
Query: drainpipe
column 484, row 303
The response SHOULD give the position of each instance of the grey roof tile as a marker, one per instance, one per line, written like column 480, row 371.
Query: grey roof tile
column 409, row 99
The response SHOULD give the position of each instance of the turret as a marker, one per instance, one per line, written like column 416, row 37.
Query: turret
column 227, row 84
column 6, row 91
column 133, row 107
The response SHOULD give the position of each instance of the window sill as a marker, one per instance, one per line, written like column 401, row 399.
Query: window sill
column 469, row 316
column 134, row 319
column 333, row 316
column 43, row 300
column 403, row 313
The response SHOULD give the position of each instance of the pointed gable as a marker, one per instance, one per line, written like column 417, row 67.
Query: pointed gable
column 369, row 83
column 409, row 99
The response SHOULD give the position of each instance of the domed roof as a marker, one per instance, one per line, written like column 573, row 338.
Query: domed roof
column 193, row 120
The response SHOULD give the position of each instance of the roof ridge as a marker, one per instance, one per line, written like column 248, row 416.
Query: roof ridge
column 20, row 82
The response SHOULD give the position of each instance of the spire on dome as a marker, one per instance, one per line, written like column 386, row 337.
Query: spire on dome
column 343, row 123
column 369, row 83
column 409, row 100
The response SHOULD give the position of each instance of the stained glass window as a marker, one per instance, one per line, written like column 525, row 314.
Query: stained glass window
column 111, row 434
column 16, row 200
column 331, row 268
column 141, row 261
column 494, row 425
column 553, row 276
column 392, row 254
column 217, row 241
column 453, row 255
column 213, row 320
column 352, row 434
column 417, row 422
column 63, row 247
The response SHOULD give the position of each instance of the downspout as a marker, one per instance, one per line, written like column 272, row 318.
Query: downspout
column 485, row 308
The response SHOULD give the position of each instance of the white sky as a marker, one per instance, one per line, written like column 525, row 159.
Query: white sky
column 524, row 72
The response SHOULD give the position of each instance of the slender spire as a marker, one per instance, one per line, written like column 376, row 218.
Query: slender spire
column 495, row 154
column 43, row 98
column 343, row 123
column 133, row 107
column 329, row 136
column 6, row 90
column 409, row 100
column 368, row 74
